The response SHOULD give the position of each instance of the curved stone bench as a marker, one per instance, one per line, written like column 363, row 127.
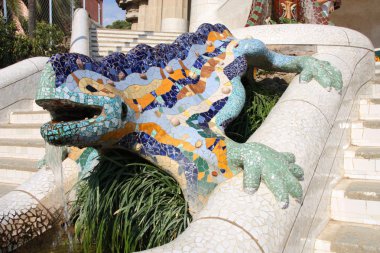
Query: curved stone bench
column 18, row 85
column 307, row 121
column 35, row 206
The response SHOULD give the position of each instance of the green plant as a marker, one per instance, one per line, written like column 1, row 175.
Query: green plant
column 126, row 204
column 260, row 100
column 7, row 38
column 48, row 39
column 283, row 20
column 120, row 24
column 16, row 47
column 22, row 48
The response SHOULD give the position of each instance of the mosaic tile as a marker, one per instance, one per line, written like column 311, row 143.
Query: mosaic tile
column 170, row 104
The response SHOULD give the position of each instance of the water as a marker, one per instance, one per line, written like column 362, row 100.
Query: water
column 54, row 157
column 52, row 241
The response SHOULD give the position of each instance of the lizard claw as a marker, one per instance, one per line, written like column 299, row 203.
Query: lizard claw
column 264, row 164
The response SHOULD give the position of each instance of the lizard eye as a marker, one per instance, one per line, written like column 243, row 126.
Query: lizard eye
column 91, row 89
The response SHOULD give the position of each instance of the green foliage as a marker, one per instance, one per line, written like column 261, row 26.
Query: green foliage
column 287, row 21
column 261, row 105
column 16, row 47
column 120, row 24
column 7, row 38
column 260, row 100
column 282, row 20
column 22, row 48
column 48, row 39
column 126, row 204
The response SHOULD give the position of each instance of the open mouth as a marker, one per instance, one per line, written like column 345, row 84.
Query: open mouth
column 68, row 111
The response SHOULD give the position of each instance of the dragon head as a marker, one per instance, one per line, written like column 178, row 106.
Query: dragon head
column 81, row 113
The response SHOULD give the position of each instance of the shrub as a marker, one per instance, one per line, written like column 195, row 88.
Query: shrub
column 16, row 47
column 7, row 38
column 22, row 48
column 125, row 204
column 48, row 39
column 120, row 24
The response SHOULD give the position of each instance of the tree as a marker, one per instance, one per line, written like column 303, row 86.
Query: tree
column 120, row 24
column 17, row 13
column 32, row 17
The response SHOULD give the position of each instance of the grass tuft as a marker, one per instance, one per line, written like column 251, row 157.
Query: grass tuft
column 127, row 205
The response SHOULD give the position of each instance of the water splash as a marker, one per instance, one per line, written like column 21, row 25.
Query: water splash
column 53, row 158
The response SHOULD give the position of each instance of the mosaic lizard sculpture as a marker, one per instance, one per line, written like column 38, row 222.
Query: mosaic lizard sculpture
column 170, row 104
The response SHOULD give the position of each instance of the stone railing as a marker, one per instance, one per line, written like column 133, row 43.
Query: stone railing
column 35, row 206
column 18, row 85
column 308, row 121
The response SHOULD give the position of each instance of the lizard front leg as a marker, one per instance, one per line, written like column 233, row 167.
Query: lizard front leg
column 262, row 163
column 258, row 55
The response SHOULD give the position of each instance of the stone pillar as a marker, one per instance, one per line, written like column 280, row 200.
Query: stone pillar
column 142, row 15
column 153, row 15
column 232, row 13
column 174, row 16
column 132, row 10
column 203, row 12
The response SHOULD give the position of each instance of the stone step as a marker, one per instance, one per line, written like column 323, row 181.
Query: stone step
column 32, row 117
column 113, row 46
column 20, row 131
column 7, row 187
column 369, row 109
column 129, row 37
column 22, row 148
column 98, row 55
column 37, row 107
column 365, row 133
column 122, row 41
column 120, row 48
column 342, row 237
column 362, row 162
column 17, row 170
column 375, row 90
column 356, row 201
column 119, row 32
column 377, row 68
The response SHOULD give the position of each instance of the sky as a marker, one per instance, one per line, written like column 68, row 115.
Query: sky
column 112, row 12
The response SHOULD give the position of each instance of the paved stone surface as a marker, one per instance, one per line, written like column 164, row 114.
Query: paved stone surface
column 363, row 190
column 368, row 153
column 5, row 188
column 352, row 238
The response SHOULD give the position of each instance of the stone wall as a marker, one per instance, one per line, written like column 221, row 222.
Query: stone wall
column 362, row 16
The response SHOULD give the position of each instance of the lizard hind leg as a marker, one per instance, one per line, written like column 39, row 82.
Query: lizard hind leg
column 264, row 164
